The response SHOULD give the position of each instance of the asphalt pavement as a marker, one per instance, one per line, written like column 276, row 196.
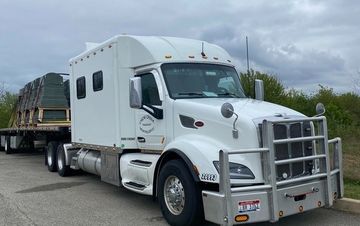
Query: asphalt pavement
column 31, row 195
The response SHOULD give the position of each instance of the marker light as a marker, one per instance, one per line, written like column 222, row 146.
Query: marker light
column 242, row 218
column 281, row 213
column 168, row 57
column 301, row 208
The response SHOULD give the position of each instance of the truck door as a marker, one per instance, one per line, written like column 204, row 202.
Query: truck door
column 150, row 131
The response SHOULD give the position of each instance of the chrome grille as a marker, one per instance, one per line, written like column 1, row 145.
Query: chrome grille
column 293, row 150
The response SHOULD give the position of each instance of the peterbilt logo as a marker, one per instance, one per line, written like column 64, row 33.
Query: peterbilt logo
column 146, row 124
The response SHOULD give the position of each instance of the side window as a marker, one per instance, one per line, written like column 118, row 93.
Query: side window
column 150, row 93
column 80, row 88
column 97, row 81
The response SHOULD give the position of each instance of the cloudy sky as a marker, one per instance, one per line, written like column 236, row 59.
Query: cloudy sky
column 303, row 42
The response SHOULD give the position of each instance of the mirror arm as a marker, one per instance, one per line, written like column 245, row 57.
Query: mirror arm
column 153, row 111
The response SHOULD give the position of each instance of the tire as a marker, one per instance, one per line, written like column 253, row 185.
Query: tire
column 7, row 147
column 62, row 169
column 179, row 196
column 51, row 156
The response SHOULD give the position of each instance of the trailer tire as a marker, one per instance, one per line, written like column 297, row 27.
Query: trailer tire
column 7, row 147
column 179, row 196
column 62, row 169
column 51, row 156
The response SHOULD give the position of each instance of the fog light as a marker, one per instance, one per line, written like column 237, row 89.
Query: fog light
column 241, row 218
column 319, row 203
column 281, row 213
column 301, row 208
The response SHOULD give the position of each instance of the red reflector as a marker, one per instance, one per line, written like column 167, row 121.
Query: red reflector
column 199, row 123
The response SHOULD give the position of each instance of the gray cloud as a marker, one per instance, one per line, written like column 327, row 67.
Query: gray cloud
column 304, row 42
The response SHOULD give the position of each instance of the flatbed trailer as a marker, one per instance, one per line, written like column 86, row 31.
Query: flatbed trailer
column 31, row 138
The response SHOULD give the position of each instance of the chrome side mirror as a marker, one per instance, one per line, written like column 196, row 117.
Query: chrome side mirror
column 227, row 110
column 135, row 93
column 320, row 109
column 259, row 89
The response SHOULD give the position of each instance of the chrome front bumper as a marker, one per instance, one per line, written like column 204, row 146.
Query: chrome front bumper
column 276, row 199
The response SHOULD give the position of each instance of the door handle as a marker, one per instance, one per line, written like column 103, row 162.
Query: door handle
column 141, row 139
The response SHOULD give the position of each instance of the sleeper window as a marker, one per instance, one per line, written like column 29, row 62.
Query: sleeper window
column 98, row 81
column 81, row 88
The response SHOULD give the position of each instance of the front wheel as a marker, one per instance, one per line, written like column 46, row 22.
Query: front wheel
column 179, row 196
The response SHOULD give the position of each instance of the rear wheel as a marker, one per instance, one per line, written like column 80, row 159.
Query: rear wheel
column 51, row 156
column 7, row 147
column 179, row 195
column 63, row 169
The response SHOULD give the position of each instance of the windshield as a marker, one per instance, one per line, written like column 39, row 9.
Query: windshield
column 195, row 80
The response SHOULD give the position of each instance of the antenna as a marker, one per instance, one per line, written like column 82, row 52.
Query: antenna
column 202, row 49
column 247, row 55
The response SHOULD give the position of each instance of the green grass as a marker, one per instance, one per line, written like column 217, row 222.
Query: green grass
column 351, row 161
column 352, row 188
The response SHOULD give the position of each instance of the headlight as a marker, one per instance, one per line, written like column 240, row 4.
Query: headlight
column 237, row 171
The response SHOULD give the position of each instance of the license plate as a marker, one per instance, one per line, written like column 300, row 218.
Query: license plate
column 249, row 206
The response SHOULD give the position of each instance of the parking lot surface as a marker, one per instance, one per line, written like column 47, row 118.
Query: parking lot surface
column 30, row 195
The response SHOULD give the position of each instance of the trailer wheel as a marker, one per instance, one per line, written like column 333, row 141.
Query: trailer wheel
column 51, row 156
column 179, row 196
column 7, row 147
column 63, row 169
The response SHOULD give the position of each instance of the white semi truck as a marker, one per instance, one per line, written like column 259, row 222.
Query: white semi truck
column 167, row 117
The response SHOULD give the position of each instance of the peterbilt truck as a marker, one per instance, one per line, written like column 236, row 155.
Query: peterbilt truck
column 167, row 117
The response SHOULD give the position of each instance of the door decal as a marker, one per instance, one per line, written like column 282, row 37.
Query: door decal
column 146, row 124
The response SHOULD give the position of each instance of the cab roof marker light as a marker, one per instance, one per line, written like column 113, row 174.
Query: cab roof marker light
column 110, row 46
column 191, row 57
column 168, row 57
column 216, row 58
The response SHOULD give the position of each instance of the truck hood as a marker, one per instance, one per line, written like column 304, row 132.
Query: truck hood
column 203, row 143
column 244, row 107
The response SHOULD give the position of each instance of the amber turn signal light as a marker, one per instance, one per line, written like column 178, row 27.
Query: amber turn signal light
column 242, row 218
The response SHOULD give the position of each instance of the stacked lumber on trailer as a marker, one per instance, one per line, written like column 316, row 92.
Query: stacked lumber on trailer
column 43, row 102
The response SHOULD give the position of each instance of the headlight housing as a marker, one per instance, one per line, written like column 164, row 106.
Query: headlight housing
column 237, row 171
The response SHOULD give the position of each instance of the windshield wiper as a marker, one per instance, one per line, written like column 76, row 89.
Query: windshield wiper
column 227, row 94
column 191, row 94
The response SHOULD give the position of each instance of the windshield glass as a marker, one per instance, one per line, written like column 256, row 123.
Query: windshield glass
column 194, row 80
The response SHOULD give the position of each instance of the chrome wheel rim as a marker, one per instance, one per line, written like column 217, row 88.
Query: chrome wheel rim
column 174, row 195
column 60, row 161
column 49, row 159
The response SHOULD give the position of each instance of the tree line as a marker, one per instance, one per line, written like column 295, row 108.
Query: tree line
column 342, row 110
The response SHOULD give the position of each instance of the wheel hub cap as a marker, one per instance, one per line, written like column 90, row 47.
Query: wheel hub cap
column 174, row 195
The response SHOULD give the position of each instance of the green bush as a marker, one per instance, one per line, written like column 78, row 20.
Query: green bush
column 7, row 103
